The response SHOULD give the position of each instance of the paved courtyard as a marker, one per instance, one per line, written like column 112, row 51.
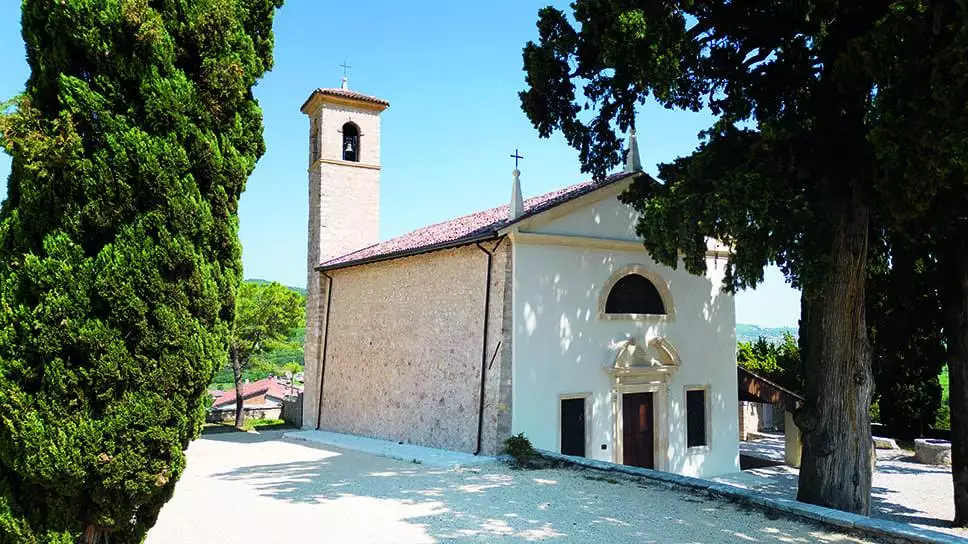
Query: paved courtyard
column 243, row 487
column 903, row 490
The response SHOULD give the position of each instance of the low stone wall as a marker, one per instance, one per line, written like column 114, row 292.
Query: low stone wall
column 755, row 417
column 292, row 410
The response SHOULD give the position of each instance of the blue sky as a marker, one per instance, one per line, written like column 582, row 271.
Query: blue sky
column 451, row 71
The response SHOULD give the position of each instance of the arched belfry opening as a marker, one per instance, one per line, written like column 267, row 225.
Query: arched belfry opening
column 351, row 142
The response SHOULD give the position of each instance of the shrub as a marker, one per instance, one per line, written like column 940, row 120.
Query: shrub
column 943, row 420
column 777, row 362
column 520, row 449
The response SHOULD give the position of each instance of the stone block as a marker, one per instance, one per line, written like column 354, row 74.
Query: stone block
column 931, row 451
column 883, row 443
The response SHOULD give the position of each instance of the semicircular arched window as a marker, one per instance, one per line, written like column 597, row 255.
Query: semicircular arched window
column 634, row 294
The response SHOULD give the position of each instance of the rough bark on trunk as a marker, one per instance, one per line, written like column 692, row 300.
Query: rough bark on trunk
column 955, row 307
column 836, row 466
column 239, row 401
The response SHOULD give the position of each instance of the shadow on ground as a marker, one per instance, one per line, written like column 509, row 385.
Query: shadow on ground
column 356, row 494
column 903, row 489
column 228, row 433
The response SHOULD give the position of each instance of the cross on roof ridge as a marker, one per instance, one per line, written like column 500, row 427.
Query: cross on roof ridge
column 517, row 156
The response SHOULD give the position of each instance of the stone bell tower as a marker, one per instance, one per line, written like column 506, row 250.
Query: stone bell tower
column 344, row 204
column 344, row 172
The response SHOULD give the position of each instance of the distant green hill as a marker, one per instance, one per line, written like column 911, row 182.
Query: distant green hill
column 258, row 281
column 748, row 333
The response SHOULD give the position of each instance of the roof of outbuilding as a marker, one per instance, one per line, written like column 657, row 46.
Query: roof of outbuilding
column 269, row 386
column 467, row 229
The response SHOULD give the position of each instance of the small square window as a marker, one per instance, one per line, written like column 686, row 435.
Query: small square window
column 696, row 418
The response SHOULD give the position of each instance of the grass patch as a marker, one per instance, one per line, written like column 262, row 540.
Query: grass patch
column 251, row 424
column 944, row 411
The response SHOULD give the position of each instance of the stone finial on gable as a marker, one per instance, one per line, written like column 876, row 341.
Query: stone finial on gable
column 632, row 161
column 516, row 207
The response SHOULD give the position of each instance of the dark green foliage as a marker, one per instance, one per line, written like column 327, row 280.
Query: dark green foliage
column 300, row 290
column 288, row 350
column 269, row 326
column 777, row 362
column 943, row 419
column 266, row 315
column 904, row 317
column 920, row 139
column 119, row 256
column 275, row 360
column 520, row 449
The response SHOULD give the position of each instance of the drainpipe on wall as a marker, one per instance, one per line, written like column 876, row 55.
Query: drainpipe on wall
column 487, row 307
column 322, row 361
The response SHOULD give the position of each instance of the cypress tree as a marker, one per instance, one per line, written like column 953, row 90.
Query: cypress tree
column 119, row 255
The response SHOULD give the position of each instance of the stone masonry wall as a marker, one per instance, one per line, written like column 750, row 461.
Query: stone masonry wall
column 344, row 210
column 404, row 355
column 345, row 207
column 497, row 406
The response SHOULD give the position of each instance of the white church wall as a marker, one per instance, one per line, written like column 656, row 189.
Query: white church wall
column 606, row 218
column 561, row 345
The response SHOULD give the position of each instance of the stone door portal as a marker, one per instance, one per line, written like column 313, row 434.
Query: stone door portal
column 638, row 432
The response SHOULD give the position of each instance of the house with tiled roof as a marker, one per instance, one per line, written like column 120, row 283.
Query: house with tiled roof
column 260, row 399
column 544, row 316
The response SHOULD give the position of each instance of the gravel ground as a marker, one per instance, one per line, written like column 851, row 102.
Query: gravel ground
column 903, row 490
column 258, row 488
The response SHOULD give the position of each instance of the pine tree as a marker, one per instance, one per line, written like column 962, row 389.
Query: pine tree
column 119, row 255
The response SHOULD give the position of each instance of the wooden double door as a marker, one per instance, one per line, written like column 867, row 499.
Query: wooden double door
column 638, row 430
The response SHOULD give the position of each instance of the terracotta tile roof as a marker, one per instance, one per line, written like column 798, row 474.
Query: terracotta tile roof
column 267, row 386
column 467, row 229
column 346, row 93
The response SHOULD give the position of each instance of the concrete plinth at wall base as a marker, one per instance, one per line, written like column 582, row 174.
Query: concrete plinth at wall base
column 881, row 529
column 394, row 450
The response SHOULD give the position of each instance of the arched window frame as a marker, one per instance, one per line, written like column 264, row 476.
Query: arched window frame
column 660, row 285
column 359, row 141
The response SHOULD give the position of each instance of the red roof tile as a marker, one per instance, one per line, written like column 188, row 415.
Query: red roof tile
column 346, row 93
column 466, row 229
column 268, row 386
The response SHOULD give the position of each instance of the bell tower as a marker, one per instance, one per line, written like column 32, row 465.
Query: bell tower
column 344, row 172
column 344, row 204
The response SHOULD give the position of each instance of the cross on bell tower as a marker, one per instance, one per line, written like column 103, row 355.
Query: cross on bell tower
column 346, row 69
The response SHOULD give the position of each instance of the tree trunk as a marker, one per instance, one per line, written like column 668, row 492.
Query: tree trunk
column 836, row 466
column 239, row 401
column 955, row 306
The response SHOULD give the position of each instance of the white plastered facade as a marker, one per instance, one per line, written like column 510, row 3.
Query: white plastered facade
column 564, row 346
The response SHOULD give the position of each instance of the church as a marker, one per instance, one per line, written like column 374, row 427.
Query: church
column 545, row 316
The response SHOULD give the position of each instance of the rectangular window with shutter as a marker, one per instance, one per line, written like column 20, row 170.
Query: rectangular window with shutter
column 572, row 418
column 696, row 418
